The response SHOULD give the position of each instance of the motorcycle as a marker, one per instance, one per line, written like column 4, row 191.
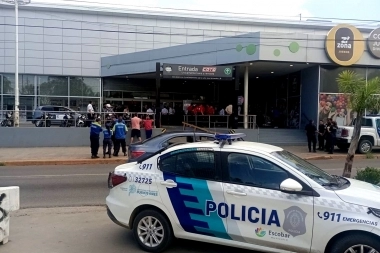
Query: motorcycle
column 44, row 120
column 8, row 121
column 81, row 120
column 68, row 120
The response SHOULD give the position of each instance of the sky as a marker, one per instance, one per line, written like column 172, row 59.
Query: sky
column 344, row 9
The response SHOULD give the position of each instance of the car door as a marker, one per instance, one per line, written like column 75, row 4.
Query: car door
column 258, row 212
column 190, row 181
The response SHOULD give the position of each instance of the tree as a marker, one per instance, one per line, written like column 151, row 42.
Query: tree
column 361, row 96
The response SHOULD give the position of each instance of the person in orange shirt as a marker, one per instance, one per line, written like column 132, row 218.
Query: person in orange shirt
column 136, row 126
column 148, row 125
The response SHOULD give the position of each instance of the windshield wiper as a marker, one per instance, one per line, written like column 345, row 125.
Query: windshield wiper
column 336, row 183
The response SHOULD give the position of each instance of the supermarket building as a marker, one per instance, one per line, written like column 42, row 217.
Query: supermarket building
column 71, row 55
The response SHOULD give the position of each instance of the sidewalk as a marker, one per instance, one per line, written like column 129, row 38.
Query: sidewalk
column 81, row 155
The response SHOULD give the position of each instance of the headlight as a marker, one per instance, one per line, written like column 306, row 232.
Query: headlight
column 374, row 211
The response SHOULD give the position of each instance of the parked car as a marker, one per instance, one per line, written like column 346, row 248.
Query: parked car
column 369, row 134
column 57, row 113
column 243, row 194
column 148, row 147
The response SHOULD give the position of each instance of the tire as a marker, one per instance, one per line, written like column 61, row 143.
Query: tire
column 166, row 234
column 365, row 147
column 343, row 244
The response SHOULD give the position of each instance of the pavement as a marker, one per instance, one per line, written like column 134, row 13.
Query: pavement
column 81, row 155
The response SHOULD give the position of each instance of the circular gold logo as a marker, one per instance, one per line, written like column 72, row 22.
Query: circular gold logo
column 345, row 45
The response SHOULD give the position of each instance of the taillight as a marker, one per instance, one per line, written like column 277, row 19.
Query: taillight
column 114, row 180
column 345, row 132
column 136, row 154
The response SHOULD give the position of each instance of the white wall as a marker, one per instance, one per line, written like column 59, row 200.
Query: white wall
column 62, row 43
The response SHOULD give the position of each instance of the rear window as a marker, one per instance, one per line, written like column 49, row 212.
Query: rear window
column 366, row 122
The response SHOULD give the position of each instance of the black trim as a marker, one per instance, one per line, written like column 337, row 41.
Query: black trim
column 113, row 218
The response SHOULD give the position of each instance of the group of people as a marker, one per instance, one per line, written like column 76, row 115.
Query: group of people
column 115, row 134
column 326, row 135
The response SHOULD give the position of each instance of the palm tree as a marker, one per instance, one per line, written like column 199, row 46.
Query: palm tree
column 361, row 96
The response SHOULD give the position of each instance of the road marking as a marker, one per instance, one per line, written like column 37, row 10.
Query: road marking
column 67, row 175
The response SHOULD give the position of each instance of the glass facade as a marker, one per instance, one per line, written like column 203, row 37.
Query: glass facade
column 37, row 90
column 334, row 105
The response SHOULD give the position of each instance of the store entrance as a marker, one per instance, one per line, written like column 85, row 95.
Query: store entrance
column 276, row 101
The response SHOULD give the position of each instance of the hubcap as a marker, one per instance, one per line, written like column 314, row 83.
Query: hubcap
column 365, row 147
column 150, row 231
column 361, row 249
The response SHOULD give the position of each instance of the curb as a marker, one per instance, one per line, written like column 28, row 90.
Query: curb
column 330, row 157
column 65, row 162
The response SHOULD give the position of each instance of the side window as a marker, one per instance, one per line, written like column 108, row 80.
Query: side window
column 255, row 171
column 175, row 140
column 198, row 164
column 367, row 122
column 378, row 126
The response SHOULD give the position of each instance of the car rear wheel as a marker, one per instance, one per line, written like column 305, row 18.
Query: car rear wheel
column 356, row 243
column 365, row 146
column 152, row 231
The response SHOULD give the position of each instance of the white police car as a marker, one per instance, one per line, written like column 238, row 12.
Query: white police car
column 246, row 195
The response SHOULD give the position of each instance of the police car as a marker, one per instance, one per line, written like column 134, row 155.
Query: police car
column 243, row 194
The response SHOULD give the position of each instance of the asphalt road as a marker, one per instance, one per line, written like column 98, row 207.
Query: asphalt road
column 86, row 185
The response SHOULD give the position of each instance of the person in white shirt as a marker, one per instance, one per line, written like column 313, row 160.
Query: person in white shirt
column 90, row 114
column 164, row 111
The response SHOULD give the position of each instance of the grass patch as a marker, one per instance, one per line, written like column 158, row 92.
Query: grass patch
column 369, row 155
column 2, row 164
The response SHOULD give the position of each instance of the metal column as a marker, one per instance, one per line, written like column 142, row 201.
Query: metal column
column 246, row 97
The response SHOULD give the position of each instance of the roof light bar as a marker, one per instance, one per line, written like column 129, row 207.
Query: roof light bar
column 224, row 137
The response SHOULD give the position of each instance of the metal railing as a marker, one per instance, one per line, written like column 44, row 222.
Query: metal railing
column 30, row 118
column 219, row 121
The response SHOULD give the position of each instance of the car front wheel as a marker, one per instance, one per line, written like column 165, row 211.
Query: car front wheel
column 365, row 146
column 152, row 231
column 356, row 243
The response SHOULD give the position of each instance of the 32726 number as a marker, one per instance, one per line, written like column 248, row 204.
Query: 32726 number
column 143, row 180
column 330, row 216
column 146, row 166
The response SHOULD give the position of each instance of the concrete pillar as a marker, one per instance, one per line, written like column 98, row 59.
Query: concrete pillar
column 246, row 76
column 9, row 201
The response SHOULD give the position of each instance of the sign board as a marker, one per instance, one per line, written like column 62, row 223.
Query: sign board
column 374, row 43
column 200, row 72
column 345, row 45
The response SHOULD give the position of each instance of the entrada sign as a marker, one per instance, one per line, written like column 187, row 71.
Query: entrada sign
column 200, row 72
column 345, row 45
column 374, row 43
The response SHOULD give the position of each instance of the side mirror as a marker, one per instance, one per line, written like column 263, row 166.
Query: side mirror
column 290, row 185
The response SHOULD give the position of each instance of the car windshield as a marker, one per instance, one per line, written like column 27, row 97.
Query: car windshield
column 308, row 169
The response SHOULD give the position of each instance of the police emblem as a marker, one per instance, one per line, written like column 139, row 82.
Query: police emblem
column 294, row 222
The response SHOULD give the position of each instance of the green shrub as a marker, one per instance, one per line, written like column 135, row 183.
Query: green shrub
column 369, row 174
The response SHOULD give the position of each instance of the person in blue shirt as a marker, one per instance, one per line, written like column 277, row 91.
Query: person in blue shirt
column 120, row 131
column 107, row 140
column 95, row 131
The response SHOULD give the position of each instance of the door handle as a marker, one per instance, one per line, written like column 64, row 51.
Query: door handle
column 237, row 193
column 169, row 183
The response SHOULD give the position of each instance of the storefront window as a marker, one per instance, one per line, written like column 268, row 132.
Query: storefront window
column 26, row 86
column 84, row 86
column 26, row 105
column 60, row 101
column 372, row 73
column 330, row 74
column 53, row 85
column 8, row 84
column 80, row 104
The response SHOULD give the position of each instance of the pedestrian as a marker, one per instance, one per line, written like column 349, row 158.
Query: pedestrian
column 95, row 131
column 90, row 113
column 107, row 140
column 321, row 135
column 311, row 130
column 136, row 126
column 148, row 125
column 327, row 135
column 332, row 135
column 120, row 131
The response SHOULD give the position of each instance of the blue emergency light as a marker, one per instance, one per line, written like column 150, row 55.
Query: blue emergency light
column 225, row 137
